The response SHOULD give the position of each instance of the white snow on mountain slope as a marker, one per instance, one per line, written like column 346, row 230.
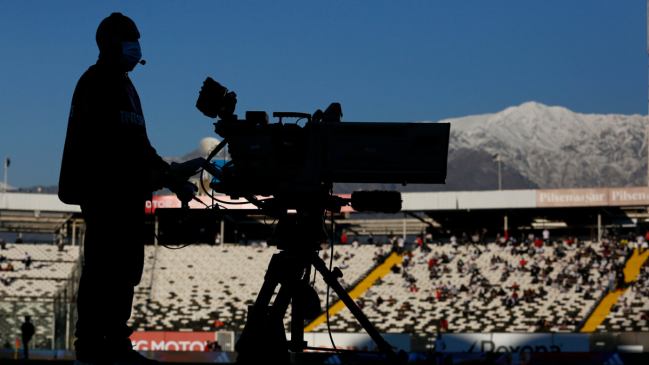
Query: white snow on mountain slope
column 557, row 148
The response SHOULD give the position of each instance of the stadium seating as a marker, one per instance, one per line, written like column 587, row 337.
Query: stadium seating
column 31, row 292
column 41, row 252
column 196, row 286
column 12, row 316
column 627, row 314
column 49, row 270
column 423, row 315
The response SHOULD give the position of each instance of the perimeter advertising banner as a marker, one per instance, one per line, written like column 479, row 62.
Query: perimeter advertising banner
column 592, row 197
column 170, row 201
column 571, row 197
column 516, row 342
column 196, row 341
column 523, row 358
column 171, row 341
column 628, row 196
column 355, row 341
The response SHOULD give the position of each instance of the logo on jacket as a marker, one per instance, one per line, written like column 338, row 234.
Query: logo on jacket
column 131, row 118
column 134, row 99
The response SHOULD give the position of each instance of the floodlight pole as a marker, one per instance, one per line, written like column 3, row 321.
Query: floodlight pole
column 4, row 187
column 496, row 158
column 599, row 227
column 500, row 182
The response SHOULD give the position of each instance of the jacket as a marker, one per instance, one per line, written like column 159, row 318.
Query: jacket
column 107, row 151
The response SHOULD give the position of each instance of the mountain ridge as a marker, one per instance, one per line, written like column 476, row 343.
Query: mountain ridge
column 557, row 148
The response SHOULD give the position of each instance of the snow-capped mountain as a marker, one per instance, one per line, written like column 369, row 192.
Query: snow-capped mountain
column 553, row 147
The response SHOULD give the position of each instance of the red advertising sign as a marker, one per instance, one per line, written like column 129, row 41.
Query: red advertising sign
column 170, row 201
column 171, row 341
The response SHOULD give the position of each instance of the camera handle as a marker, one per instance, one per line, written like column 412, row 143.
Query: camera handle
column 281, row 115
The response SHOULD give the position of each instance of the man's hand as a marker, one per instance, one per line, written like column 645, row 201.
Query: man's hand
column 179, row 173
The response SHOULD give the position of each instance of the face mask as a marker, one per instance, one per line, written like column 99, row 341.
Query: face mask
column 131, row 54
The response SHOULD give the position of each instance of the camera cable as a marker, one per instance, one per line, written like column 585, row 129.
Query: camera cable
column 167, row 247
column 158, row 238
column 209, row 158
column 331, row 263
column 212, row 196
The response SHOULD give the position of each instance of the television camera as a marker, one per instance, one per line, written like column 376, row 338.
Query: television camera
column 287, row 171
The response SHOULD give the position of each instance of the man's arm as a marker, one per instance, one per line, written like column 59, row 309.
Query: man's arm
column 158, row 171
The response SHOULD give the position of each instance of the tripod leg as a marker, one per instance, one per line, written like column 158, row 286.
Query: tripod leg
column 332, row 281
column 297, row 343
column 262, row 337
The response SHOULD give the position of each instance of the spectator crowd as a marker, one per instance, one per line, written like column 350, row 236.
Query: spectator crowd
column 564, row 265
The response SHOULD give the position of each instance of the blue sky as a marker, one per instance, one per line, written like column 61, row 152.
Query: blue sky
column 387, row 61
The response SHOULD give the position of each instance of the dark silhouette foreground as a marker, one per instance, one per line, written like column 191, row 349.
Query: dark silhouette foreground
column 107, row 150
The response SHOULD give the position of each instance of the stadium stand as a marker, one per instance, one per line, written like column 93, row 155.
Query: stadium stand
column 560, row 309
column 193, row 288
column 628, row 309
column 12, row 315
column 354, row 262
column 49, row 270
column 475, row 288
column 32, row 291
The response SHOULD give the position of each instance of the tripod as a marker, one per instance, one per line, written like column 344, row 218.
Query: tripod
column 263, row 338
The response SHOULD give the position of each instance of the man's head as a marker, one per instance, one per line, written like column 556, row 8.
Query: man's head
column 117, row 38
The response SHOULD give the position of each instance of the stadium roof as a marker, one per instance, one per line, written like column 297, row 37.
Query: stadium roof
column 46, row 213
column 9, row 187
column 35, row 213
column 415, row 202
column 532, row 198
column 36, row 202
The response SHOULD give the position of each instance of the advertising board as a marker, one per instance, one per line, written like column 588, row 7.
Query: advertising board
column 628, row 196
column 571, row 197
column 516, row 342
column 195, row 341
column 171, row 341
column 355, row 341
column 465, row 342
column 592, row 197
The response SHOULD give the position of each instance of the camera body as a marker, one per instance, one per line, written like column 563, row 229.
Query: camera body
column 283, row 159
column 278, row 158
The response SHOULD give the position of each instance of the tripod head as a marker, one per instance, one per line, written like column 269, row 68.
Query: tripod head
column 305, row 230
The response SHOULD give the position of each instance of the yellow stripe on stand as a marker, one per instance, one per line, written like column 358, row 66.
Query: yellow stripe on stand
column 631, row 271
column 632, row 267
column 361, row 288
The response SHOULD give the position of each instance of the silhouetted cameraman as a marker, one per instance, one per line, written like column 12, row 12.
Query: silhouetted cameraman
column 110, row 169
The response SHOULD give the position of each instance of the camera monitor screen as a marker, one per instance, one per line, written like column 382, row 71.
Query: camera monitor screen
column 384, row 152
